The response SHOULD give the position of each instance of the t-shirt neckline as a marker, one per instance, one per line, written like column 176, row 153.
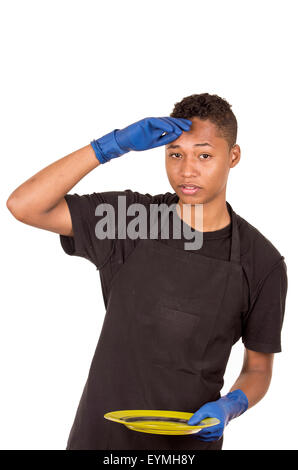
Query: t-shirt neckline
column 223, row 232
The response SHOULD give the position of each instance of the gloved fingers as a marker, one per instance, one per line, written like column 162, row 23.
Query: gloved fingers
column 187, row 121
column 181, row 123
column 151, row 132
column 167, row 138
column 198, row 416
column 185, row 124
column 218, row 429
column 160, row 125
column 211, row 433
column 169, row 124
column 210, row 438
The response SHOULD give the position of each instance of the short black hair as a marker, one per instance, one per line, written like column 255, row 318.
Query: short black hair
column 212, row 107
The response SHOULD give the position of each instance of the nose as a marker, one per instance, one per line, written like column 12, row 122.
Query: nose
column 188, row 168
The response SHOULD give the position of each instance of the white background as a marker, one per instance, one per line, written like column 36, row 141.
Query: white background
column 73, row 71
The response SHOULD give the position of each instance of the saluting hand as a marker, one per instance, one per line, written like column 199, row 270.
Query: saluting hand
column 145, row 134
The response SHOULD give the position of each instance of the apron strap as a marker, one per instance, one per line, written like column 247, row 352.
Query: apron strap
column 235, row 245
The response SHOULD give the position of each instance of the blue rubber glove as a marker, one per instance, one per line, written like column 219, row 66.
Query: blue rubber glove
column 141, row 135
column 226, row 408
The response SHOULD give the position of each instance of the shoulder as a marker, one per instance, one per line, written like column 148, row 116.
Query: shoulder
column 133, row 197
column 255, row 241
column 147, row 198
column 259, row 256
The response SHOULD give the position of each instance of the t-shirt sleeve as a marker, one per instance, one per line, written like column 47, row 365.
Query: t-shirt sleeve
column 262, row 324
column 85, row 242
column 87, row 222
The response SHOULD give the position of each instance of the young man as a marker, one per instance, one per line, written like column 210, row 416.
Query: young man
column 172, row 314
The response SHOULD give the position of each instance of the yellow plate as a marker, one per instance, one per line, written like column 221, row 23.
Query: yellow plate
column 159, row 421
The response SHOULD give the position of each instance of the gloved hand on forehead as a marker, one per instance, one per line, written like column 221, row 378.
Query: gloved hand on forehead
column 226, row 408
column 141, row 135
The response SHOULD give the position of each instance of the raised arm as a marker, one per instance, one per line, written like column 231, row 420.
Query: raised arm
column 40, row 202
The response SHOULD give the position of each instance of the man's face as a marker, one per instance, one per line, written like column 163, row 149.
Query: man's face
column 206, row 166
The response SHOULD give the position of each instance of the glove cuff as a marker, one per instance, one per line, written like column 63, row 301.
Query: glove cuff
column 237, row 403
column 106, row 147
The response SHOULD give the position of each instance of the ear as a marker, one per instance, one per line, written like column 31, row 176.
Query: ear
column 235, row 155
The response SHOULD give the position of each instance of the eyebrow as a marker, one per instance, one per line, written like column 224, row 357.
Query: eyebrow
column 174, row 146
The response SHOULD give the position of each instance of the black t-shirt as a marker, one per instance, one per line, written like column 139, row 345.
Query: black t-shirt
column 265, row 270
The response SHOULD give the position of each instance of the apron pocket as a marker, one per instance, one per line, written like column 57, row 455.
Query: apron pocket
column 173, row 338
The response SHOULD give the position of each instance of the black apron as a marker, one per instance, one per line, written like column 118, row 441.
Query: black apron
column 172, row 318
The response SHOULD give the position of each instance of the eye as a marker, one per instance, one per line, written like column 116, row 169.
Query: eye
column 202, row 154
column 205, row 154
column 171, row 154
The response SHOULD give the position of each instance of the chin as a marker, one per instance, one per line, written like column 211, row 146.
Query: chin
column 191, row 200
column 188, row 199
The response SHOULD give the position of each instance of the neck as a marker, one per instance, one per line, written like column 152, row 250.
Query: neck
column 214, row 215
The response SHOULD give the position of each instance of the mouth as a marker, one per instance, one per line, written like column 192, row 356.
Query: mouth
column 189, row 188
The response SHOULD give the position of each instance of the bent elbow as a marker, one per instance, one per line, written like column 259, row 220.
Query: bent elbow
column 14, row 208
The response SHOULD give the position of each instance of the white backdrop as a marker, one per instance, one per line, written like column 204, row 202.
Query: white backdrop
column 73, row 71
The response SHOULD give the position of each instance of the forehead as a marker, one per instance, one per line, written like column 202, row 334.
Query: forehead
column 203, row 127
column 201, row 131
